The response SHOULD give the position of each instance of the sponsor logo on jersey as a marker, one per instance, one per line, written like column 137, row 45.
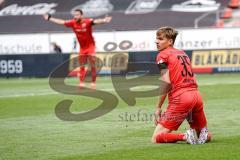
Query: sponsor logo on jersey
column 84, row 25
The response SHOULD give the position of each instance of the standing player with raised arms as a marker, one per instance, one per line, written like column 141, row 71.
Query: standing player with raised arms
column 82, row 27
column 184, row 99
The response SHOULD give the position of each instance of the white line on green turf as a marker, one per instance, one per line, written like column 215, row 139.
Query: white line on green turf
column 103, row 89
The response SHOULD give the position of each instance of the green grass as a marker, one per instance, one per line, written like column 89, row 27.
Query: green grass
column 29, row 128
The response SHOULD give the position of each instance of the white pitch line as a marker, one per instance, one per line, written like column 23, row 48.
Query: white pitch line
column 27, row 94
column 106, row 89
column 40, row 94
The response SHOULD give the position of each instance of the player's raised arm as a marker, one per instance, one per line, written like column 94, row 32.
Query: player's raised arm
column 48, row 17
column 102, row 20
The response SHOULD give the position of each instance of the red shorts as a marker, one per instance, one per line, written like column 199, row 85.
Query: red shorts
column 90, row 50
column 188, row 105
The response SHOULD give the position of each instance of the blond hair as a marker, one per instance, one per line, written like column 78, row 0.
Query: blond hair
column 168, row 32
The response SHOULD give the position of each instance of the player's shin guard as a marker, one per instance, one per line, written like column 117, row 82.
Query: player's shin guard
column 169, row 137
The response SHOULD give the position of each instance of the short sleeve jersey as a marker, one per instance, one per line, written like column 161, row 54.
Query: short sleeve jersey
column 83, row 31
column 180, row 71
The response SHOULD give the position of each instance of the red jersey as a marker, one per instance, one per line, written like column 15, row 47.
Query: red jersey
column 180, row 70
column 83, row 31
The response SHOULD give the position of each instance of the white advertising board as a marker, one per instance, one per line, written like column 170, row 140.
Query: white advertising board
column 188, row 39
column 110, row 41
column 197, row 39
column 24, row 43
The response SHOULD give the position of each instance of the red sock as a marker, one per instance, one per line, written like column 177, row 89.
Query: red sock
column 169, row 137
column 82, row 74
column 94, row 74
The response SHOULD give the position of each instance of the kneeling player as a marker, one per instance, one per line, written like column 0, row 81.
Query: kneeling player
column 184, row 99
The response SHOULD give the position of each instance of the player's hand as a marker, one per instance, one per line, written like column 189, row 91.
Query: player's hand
column 157, row 115
column 46, row 17
column 158, row 111
column 107, row 19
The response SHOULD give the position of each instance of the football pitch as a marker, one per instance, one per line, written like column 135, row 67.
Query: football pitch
column 29, row 128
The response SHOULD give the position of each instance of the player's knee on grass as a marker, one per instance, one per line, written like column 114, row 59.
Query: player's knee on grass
column 158, row 130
